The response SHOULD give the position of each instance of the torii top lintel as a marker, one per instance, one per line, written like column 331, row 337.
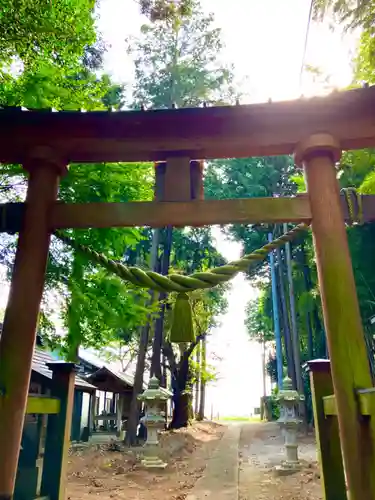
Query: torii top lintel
column 199, row 133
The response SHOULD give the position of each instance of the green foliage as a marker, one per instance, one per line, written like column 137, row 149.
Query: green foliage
column 207, row 306
column 179, row 63
column 207, row 374
column 94, row 307
column 166, row 10
column 34, row 29
column 47, row 85
column 192, row 250
column 248, row 178
column 258, row 318
column 275, row 405
column 299, row 181
column 365, row 61
column 351, row 13
column 102, row 303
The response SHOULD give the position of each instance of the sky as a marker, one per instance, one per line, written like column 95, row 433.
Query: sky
column 265, row 41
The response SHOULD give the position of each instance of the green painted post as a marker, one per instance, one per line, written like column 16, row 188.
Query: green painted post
column 58, row 432
column 327, row 433
column 28, row 471
column 77, row 416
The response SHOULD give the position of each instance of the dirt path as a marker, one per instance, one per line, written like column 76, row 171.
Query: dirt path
column 202, row 464
column 220, row 479
column 97, row 471
column 261, row 448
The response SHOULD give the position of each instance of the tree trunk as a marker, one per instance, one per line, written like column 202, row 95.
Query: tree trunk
column 181, row 397
column 135, row 405
column 198, row 379
column 202, row 399
column 293, row 317
column 285, row 318
column 322, row 349
column 263, row 398
column 132, row 423
column 74, row 308
column 264, row 368
column 164, row 379
column 276, row 317
column 307, row 280
column 181, row 410
column 159, row 322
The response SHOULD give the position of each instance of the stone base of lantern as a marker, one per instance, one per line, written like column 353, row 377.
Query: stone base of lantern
column 153, row 463
column 291, row 464
column 287, row 468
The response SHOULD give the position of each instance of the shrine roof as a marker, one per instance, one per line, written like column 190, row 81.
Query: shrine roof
column 110, row 380
column 41, row 359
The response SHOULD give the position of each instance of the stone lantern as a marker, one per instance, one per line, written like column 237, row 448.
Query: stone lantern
column 154, row 421
column 289, row 422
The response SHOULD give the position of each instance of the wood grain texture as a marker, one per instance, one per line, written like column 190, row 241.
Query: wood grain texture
column 194, row 213
column 21, row 316
column 347, row 348
column 198, row 133
column 197, row 213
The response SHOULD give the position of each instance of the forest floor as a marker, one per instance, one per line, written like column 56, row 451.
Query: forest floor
column 118, row 475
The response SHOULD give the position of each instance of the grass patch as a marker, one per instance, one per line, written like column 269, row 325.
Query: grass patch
column 239, row 419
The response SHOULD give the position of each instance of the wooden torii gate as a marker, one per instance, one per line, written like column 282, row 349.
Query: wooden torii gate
column 314, row 130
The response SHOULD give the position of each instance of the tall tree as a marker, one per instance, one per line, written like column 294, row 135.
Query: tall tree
column 176, row 64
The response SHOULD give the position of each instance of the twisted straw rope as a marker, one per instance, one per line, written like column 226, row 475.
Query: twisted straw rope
column 178, row 282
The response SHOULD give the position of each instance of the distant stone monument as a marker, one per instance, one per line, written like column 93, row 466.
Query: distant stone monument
column 154, row 421
column 289, row 422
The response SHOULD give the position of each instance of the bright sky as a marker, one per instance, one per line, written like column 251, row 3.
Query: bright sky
column 264, row 40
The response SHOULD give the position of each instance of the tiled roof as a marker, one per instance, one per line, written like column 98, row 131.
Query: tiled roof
column 39, row 365
column 125, row 378
column 40, row 360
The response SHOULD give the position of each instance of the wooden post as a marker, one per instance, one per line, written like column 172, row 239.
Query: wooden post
column 349, row 362
column 118, row 414
column 21, row 314
column 327, row 433
column 92, row 412
column 177, row 182
column 58, row 432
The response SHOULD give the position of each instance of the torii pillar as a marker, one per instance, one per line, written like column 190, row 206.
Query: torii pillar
column 347, row 348
column 21, row 314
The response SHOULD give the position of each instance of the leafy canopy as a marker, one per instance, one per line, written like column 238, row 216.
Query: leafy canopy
column 57, row 30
